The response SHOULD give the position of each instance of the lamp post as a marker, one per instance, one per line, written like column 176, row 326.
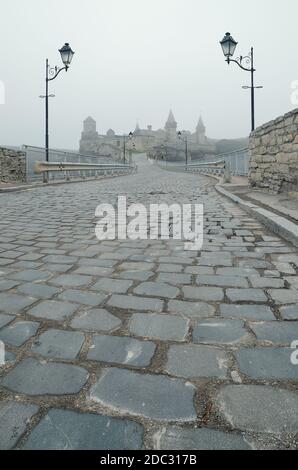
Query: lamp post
column 186, row 146
column 125, row 138
column 164, row 150
column 229, row 45
column 51, row 73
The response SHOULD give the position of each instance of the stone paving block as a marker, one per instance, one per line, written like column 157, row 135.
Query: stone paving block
column 101, row 263
column 12, row 254
column 157, row 289
column 68, row 430
column 175, row 260
column 203, row 270
column 267, row 363
column 152, row 396
column 174, row 278
column 57, row 268
column 12, row 303
column 31, row 377
column 215, row 262
column 174, row 438
column 59, row 344
column 72, row 280
column 170, row 268
column 96, row 320
column 60, row 259
column 264, row 283
column 117, row 286
column 289, row 313
column 219, row 331
column 53, row 310
column 94, row 271
column 6, row 319
column 19, row 333
column 285, row 268
column 276, row 332
column 136, row 266
column 293, row 281
column 246, row 295
column 194, row 361
column 6, row 262
column 39, row 291
column 255, row 264
column 284, row 296
column 257, row 408
column 5, row 271
column 162, row 327
column 131, row 302
column 6, row 284
column 31, row 257
column 207, row 294
column 248, row 254
column 272, row 273
column 136, row 275
column 26, row 265
column 237, row 272
column 121, row 350
column 82, row 297
column 249, row 312
column 191, row 309
column 14, row 421
column 291, row 258
column 30, row 275
column 222, row 281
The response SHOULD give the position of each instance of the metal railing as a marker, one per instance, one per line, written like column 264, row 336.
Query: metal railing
column 212, row 167
column 88, row 168
column 235, row 163
column 70, row 169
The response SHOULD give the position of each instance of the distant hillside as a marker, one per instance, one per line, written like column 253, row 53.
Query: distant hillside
column 229, row 145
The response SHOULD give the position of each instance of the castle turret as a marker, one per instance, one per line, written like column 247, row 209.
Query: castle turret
column 200, row 132
column 171, row 127
column 89, row 134
column 89, row 126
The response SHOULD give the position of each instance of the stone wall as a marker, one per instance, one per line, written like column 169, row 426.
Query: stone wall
column 274, row 155
column 12, row 166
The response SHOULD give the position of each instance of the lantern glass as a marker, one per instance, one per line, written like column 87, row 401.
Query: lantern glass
column 228, row 45
column 67, row 54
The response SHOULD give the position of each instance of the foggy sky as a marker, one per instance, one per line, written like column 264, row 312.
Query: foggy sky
column 136, row 59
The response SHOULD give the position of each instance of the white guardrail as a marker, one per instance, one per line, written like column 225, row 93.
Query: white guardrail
column 71, row 169
column 92, row 166
column 234, row 163
column 215, row 168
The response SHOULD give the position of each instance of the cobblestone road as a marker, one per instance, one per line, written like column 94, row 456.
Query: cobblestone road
column 129, row 345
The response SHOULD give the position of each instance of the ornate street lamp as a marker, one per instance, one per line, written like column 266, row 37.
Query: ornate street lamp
column 125, row 138
column 51, row 73
column 186, row 145
column 229, row 45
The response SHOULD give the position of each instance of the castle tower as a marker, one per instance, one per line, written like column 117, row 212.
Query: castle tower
column 137, row 130
column 89, row 135
column 171, row 127
column 89, row 126
column 201, row 132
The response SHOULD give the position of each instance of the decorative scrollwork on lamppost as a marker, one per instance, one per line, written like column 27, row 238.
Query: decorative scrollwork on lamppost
column 229, row 45
column 186, row 145
column 51, row 74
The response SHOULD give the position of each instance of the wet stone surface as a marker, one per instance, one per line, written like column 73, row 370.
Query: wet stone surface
column 129, row 344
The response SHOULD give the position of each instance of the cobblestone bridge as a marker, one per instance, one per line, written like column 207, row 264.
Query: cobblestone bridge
column 130, row 345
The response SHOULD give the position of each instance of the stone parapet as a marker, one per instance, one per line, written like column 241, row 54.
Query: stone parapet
column 274, row 155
